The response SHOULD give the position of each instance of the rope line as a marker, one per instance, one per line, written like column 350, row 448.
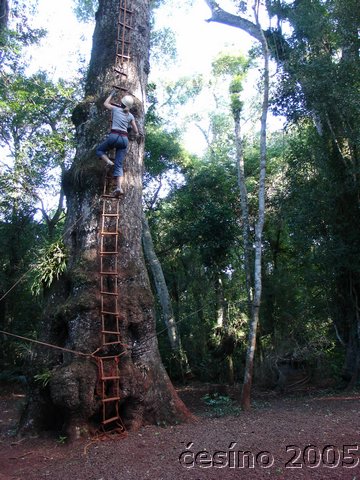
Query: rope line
column 177, row 322
column 32, row 340
column 93, row 354
column 16, row 283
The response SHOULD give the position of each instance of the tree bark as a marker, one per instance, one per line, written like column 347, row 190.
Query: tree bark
column 244, row 210
column 72, row 317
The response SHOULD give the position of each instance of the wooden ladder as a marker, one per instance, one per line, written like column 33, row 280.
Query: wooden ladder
column 108, row 365
column 110, row 391
column 109, row 292
column 109, row 378
column 123, row 43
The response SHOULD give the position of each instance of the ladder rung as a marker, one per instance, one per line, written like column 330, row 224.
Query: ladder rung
column 123, row 56
column 104, row 379
column 109, row 233
column 110, row 214
column 126, row 26
column 110, row 313
column 111, row 399
column 110, row 332
column 110, row 420
column 106, row 195
column 125, row 9
column 109, row 253
column 109, row 293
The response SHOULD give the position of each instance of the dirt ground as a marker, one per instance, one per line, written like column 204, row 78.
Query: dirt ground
column 312, row 435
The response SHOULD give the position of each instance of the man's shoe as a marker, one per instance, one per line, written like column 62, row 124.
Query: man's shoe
column 118, row 192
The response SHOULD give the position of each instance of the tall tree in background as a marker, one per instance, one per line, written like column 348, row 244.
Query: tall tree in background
column 72, row 316
column 254, row 29
column 259, row 226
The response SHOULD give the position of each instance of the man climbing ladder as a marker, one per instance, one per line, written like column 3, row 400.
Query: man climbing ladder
column 122, row 120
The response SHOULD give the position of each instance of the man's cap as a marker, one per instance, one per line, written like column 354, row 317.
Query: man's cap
column 128, row 101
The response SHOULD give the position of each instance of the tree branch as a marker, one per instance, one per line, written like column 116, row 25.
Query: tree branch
column 219, row 15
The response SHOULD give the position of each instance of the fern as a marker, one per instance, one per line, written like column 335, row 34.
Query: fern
column 51, row 263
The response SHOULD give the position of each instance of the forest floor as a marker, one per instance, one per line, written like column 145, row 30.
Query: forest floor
column 307, row 435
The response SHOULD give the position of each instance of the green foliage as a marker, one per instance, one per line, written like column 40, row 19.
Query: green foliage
column 319, row 246
column 163, row 151
column 15, row 33
column 221, row 405
column 62, row 439
column 194, row 250
column 50, row 265
column 184, row 89
column 234, row 67
column 36, row 140
column 37, row 135
column 199, row 248
column 165, row 158
column 242, row 5
column 231, row 65
column 85, row 10
column 18, row 233
column 163, row 47
column 211, row 192
column 43, row 378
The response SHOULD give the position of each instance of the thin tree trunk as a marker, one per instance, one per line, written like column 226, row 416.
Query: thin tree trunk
column 220, row 303
column 163, row 296
column 255, row 30
column 244, row 209
column 249, row 367
column 230, row 370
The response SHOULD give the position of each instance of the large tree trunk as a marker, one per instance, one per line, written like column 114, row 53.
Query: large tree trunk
column 72, row 318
